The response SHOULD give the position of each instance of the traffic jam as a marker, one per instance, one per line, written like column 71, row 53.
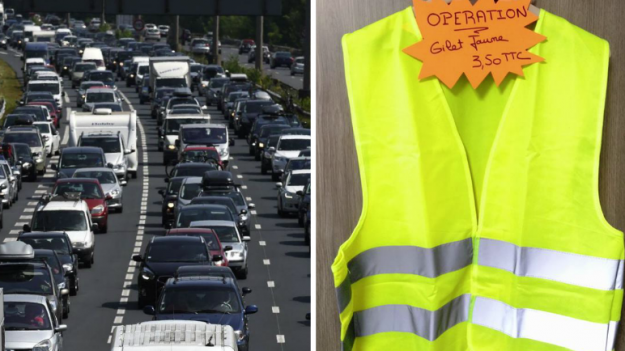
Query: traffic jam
column 141, row 187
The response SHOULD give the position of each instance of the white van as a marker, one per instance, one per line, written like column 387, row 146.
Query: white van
column 44, row 36
column 53, row 86
column 168, row 133
column 206, row 135
column 174, row 335
column 94, row 55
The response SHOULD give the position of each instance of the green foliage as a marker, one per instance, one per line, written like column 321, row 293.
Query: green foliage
column 123, row 34
column 104, row 27
column 9, row 87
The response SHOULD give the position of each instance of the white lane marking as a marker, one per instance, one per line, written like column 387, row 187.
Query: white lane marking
column 40, row 191
column 257, row 226
column 271, row 284
column 248, row 199
column 9, row 239
column 244, row 187
column 280, row 339
column 126, row 292
column 239, row 176
column 121, row 311
column 118, row 320
column 253, row 212
column 235, row 167
column 109, row 340
column 65, row 135
column 266, row 262
column 26, row 217
column 3, row 53
column 20, row 224
column 275, row 309
column 262, row 243
column 32, row 203
column 29, row 210
column 14, row 232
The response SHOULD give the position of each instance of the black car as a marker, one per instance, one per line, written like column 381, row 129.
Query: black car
column 303, row 206
column 161, row 259
column 118, row 61
column 37, row 111
column 251, row 110
column 73, row 158
column 53, row 261
column 243, row 222
column 68, row 63
column 191, row 170
column 62, row 245
column 262, row 120
column 281, row 58
column 195, row 213
column 213, row 298
column 170, row 198
column 263, row 137
column 25, row 160
column 106, row 77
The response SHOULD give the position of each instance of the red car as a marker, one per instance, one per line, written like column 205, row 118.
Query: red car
column 211, row 239
column 201, row 154
column 90, row 192
column 54, row 113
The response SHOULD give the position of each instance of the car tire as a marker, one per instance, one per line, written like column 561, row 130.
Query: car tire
column 88, row 264
column 242, row 274
column 300, row 219
column 141, row 302
column 65, row 312
column 256, row 155
column 252, row 152
column 120, row 210
column 275, row 177
column 104, row 229
column 263, row 170
column 73, row 290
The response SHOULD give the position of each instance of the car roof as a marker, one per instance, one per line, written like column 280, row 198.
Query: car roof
column 25, row 298
column 288, row 136
column 101, row 90
column 189, row 230
column 82, row 149
column 77, row 180
column 216, row 223
column 77, row 205
column 94, row 169
column 200, row 206
column 43, row 235
column 301, row 171
column 194, row 165
column 192, row 180
column 177, row 238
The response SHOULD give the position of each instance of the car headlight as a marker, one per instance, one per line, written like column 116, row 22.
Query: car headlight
column 223, row 152
column 235, row 254
column 98, row 209
column 171, row 205
column 171, row 147
column 288, row 195
column 84, row 97
column 68, row 267
column 121, row 64
column 132, row 75
column 65, row 67
column 114, row 193
column 218, row 263
column 261, row 145
column 26, row 165
column 53, row 304
column 120, row 166
column 80, row 244
column 238, row 333
column 61, row 285
column 147, row 274
column 243, row 217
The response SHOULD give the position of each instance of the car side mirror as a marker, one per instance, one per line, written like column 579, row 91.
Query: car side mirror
column 161, row 192
column 231, row 142
column 243, row 211
column 128, row 152
column 149, row 310
column 279, row 184
column 246, row 291
column 64, row 94
column 300, row 193
column 54, row 167
column 64, row 291
column 12, row 178
column 246, row 238
column 251, row 206
column 228, row 248
column 251, row 309
column 109, row 165
column 166, row 180
column 95, row 227
column 217, row 258
column 137, row 258
column 61, row 328
column 272, row 149
column 123, row 182
column 26, row 228
column 109, row 197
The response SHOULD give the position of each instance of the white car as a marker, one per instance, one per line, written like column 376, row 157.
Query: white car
column 150, row 26
column 200, row 46
column 152, row 34
column 54, row 87
column 288, row 147
column 33, row 61
column 164, row 30
column 50, row 136
column 9, row 187
column 287, row 192
column 229, row 235
column 72, row 217
column 204, row 134
column 114, row 150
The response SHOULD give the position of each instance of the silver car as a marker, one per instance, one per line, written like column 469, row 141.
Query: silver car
column 190, row 188
column 109, row 182
column 288, row 200
column 30, row 325
column 229, row 235
column 78, row 71
column 8, row 185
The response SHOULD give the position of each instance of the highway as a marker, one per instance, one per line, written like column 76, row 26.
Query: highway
column 279, row 261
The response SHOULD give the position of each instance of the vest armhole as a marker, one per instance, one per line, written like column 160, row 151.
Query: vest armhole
column 597, row 157
column 339, row 267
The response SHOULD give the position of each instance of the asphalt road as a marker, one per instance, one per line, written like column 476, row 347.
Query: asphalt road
column 279, row 261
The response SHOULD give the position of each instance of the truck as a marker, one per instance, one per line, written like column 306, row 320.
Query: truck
column 173, row 335
column 103, row 121
column 173, row 72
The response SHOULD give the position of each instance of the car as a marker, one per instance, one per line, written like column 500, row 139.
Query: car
column 251, row 56
column 280, row 59
column 113, row 106
column 72, row 217
column 169, row 132
column 303, row 207
column 288, row 199
column 8, row 187
column 174, row 101
column 41, row 113
column 106, row 77
column 186, row 110
column 89, row 191
column 210, row 299
column 56, row 267
column 111, row 186
column 142, row 69
column 67, row 64
column 243, row 222
column 288, row 147
column 25, row 159
column 160, row 97
column 75, row 157
column 114, row 149
column 229, row 235
column 210, row 72
column 252, row 109
column 298, row 66
column 99, row 95
column 262, row 137
column 144, row 90
column 218, row 251
column 22, row 273
column 211, row 90
column 161, row 259
column 267, row 153
column 50, row 136
column 230, row 101
column 261, row 120
column 193, row 169
column 164, row 30
column 193, row 213
column 54, row 113
column 202, row 154
column 20, row 310
column 62, row 245
column 200, row 46
column 246, row 46
column 209, row 134
column 190, row 188
column 152, row 34
column 29, row 135
column 196, row 75
column 78, row 71
column 295, row 164
column 54, row 87
column 170, row 197
column 231, row 86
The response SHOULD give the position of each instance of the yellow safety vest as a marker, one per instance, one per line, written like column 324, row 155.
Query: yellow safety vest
column 481, row 226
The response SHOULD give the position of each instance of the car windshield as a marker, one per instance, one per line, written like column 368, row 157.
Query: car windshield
column 188, row 215
column 173, row 251
column 32, row 139
column 144, row 69
column 218, row 83
column 298, row 164
column 102, row 76
column 190, row 190
column 200, row 155
column 100, row 97
column 257, row 107
column 192, row 171
column 83, row 68
column 31, row 110
column 267, row 130
column 294, row 144
column 23, row 151
column 215, row 135
column 54, row 88
column 108, row 145
column 162, row 92
column 64, row 220
column 44, row 128
column 186, row 111
column 87, row 190
column 173, row 187
column 104, row 177
column 233, row 96
column 216, row 201
column 226, row 234
column 196, row 69
column 25, row 315
column 298, row 179
column 79, row 160
column 197, row 300
column 171, row 82
column 57, row 244
column 172, row 125
column 283, row 54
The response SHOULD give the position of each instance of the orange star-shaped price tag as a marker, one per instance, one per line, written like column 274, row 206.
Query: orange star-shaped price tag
column 488, row 37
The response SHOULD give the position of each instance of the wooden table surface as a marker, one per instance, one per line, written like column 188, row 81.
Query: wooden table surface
column 338, row 197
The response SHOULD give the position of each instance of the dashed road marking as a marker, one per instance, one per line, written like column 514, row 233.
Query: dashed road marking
column 257, row 226
column 271, row 284
column 266, row 262
column 275, row 309
column 262, row 243
column 239, row 176
column 253, row 212
column 280, row 339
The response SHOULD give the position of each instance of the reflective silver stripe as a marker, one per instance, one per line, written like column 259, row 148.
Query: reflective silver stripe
column 344, row 294
column 569, row 268
column 403, row 318
column 555, row 329
column 412, row 260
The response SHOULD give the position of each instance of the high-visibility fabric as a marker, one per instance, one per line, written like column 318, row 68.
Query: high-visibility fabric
column 481, row 226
